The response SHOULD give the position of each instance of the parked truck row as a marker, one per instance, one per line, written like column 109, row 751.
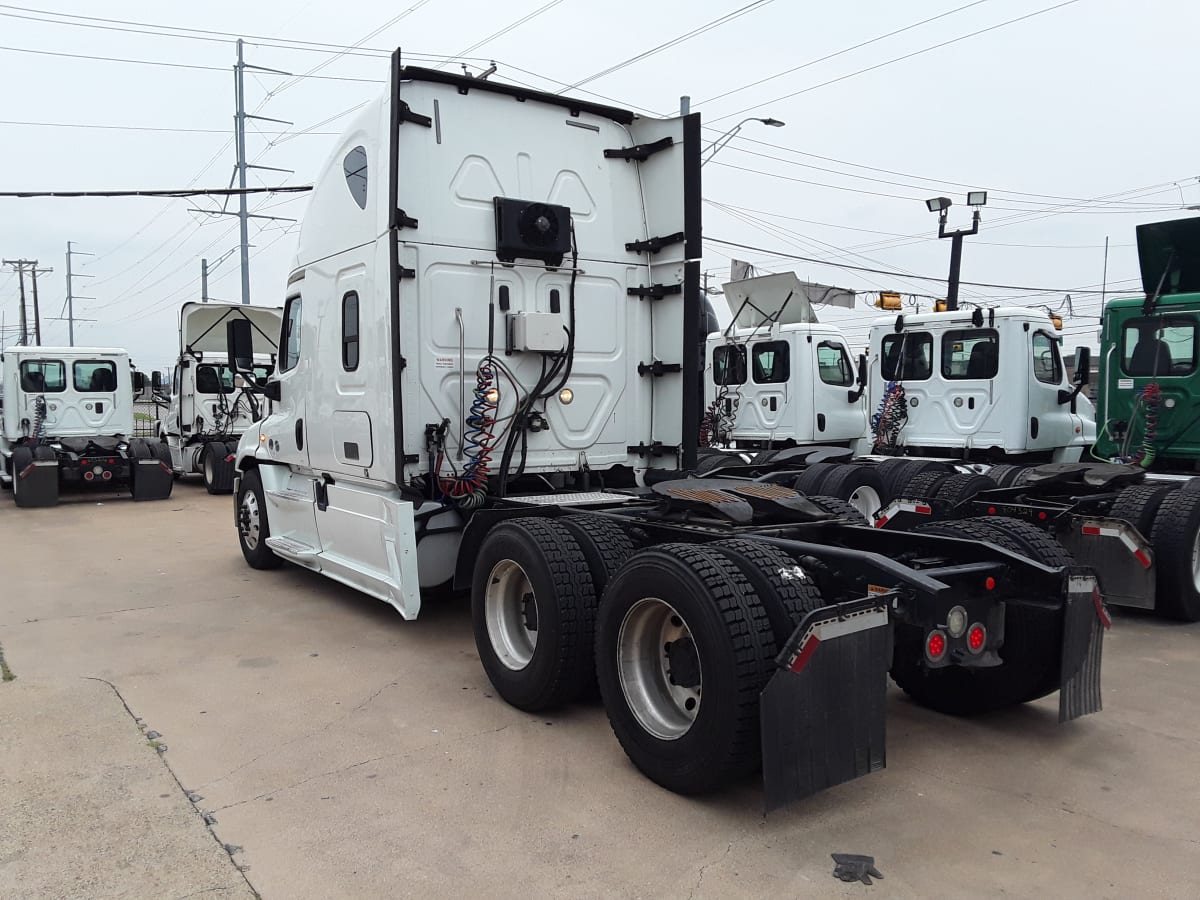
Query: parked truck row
column 488, row 376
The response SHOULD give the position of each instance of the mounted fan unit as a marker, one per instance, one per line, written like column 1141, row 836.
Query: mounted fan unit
column 528, row 230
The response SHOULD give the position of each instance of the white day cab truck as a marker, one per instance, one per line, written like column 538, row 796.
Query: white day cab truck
column 971, row 414
column 67, row 422
column 489, row 377
column 202, row 418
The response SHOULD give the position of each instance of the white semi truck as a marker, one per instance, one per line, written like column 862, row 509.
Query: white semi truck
column 68, row 421
column 489, row 376
column 207, row 408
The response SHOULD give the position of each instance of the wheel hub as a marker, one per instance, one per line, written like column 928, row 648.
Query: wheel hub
column 683, row 663
column 248, row 520
column 510, row 613
column 659, row 667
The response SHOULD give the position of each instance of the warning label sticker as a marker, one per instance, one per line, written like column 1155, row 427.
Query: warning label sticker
column 1125, row 384
column 443, row 362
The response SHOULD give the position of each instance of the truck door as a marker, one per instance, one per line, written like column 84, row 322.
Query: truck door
column 291, row 486
column 770, row 369
column 969, row 406
column 1051, row 424
column 835, row 418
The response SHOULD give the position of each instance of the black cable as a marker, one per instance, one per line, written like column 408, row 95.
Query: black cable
column 177, row 192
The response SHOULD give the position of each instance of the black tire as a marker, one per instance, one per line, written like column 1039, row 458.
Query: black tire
column 540, row 557
column 717, row 461
column 254, row 542
column 1176, row 542
column 1032, row 649
column 786, row 593
column 924, row 486
column 163, row 453
column 860, row 485
column 603, row 542
column 840, row 508
column 1004, row 474
column 959, row 488
column 729, row 634
column 216, row 472
column 22, row 458
column 891, row 469
column 902, row 475
column 139, row 449
column 1139, row 504
column 809, row 481
column 41, row 451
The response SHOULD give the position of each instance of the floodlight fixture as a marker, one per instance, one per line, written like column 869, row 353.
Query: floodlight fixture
column 977, row 198
column 938, row 204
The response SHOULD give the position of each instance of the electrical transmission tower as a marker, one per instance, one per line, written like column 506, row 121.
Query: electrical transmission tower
column 21, row 266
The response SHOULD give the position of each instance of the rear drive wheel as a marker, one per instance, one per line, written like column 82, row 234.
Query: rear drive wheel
column 1004, row 474
column 925, row 485
column 810, row 480
column 253, row 529
column 216, row 472
column 786, row 592
column 959, row 488
column 859, row 485
column 1176, row 540
column 1139, row 504
column 533, row 608
column 840, row 508
column 683, row 648
column 22, row 459
column 1032, row 649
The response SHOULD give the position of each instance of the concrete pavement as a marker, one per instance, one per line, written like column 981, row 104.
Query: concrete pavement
column 352, row 754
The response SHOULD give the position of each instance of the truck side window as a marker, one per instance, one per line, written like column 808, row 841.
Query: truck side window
column 771, row 362
column 1159, row 345
column 907, row 356
column 1047, row 363
column 729, row 365
column 43, row 376
column 355, row 167
column 291, row 335
column 833, row 364
column 350, row 331
column 972, row 353
column 94, row 376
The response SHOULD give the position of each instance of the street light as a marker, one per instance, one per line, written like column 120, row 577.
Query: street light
column 940, row 205
column 708, row 153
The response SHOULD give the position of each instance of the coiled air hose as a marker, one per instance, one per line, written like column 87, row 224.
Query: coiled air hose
column 889, row 418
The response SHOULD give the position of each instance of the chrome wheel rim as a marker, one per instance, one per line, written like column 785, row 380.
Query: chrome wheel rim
column 1196, row 562
column 208, row 468
column 659, row 668
column 866, row 500
column 510, row 613
column 250, row 520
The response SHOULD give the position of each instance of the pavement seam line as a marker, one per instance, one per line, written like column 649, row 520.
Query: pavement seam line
column 137, row 722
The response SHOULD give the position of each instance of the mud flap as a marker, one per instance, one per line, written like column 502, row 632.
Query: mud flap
column 1120, row 556
column 223, row 466
column 152, row 479
column 1084, row 622
column 37, row 484
column 822, row 713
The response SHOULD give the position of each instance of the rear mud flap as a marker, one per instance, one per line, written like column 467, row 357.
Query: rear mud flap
column 223, row 469
column 1084, row 622
column 1120, row 556
column 152, row 479
column 822, row 713
column 37, row 485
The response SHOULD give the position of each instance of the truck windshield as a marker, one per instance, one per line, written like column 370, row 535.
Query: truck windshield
column 218, row 379
column 907, row 356
column 38, row 376
column 1159, row 345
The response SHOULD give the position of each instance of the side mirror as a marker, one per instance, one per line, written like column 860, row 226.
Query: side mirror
column 139, row 381
column 156, row 382
column 271, row 390
column 1083, row 365
column 853, row 396
column 239, row 339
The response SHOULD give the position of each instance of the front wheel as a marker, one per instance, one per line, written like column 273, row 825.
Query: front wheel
column 253, row 530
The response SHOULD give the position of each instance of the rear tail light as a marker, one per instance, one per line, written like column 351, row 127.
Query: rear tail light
column 107, row 475
column 935, row 645
column 976, row 638
column 88, row 476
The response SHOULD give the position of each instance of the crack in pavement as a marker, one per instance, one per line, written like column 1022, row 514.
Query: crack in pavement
column 704, row 868
column 166, row 765
column 300, row 737
column 346, row 768
column 1057, row 809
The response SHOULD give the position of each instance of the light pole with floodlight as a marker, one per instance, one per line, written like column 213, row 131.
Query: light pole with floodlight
column 707, row 154
column 940, row 205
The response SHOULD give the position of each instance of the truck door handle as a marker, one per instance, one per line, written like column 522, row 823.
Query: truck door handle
column 299, row 434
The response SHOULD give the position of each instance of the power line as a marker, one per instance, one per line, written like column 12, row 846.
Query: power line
column 148, row 128
column 507, row 28
column 176, row 192
column 894, row 274
column 695, row 32
column 897, row 59
column 829, row 56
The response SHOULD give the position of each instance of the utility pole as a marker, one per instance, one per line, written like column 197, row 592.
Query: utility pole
column 204, row 281
column 243, row 213
column 37, row 314
column 19, row 266
column 71, row 298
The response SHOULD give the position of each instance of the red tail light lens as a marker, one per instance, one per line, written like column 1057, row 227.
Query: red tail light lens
column 976, row 638
column 935, row 645
column 88, row 476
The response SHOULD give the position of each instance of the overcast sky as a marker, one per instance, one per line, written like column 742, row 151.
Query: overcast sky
column 1075, row 119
